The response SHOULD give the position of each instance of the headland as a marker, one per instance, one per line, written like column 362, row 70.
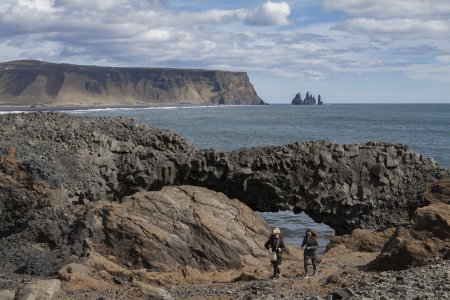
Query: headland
column 35, row 84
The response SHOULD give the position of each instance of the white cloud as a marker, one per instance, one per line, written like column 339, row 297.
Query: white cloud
column 26, row 16
column 390, row 8
column 309, row 48
column 89, row 4
column 399, row 28
column 39, row 6
column 155, row 35
column 214, row 15
column 430, row 72
column 270, row 13
column 443, row 58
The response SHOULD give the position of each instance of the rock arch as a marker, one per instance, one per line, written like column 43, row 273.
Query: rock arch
column 365, row 185
column 369, row 185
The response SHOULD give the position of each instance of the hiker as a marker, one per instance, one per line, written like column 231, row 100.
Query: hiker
column 275, row 245
column 310, row 245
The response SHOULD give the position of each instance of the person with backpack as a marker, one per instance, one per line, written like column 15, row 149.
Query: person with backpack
column 310, row 244
column 275, row 245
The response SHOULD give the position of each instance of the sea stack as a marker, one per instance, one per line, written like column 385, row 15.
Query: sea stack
column 309, row 99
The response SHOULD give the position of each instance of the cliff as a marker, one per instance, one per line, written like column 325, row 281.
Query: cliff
column 41, row 83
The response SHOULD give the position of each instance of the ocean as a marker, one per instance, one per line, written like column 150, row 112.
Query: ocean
column 425, row 128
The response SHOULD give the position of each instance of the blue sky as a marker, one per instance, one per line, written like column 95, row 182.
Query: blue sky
column 348, row 51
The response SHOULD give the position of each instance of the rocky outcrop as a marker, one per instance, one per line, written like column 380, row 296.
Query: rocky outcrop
column 178, row 235
column 345, row 186
column 367, row 185
column 38, row 83
column 179, row 226
column 423, row 241
column 88, row 159
column 91, row 201
column 362, row 240
column 309, row 100
column 33, row 224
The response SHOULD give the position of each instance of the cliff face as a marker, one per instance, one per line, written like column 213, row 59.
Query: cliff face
column 41, row 83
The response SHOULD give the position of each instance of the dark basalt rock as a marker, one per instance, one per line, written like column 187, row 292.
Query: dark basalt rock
column 42, row 83
column 160, row 230
column 85, row 159
column 344, row 186
column 309, row 99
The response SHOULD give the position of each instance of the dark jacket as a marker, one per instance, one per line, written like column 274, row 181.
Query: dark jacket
column 310, row 245
column 273, row 242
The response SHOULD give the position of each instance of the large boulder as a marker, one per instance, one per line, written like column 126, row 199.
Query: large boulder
column 177, row 235
column 178, row 227
column 434, row 219
column 437, row 192
column 406, row 249
column 427, row 239
column 362, row 240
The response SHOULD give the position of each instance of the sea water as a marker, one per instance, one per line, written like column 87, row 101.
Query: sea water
column 425, row 128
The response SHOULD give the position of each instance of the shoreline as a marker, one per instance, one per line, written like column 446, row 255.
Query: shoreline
column 62, row 108
column 28, row 108
column 54, row 108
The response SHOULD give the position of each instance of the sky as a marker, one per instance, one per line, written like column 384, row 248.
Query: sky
column 348, row 51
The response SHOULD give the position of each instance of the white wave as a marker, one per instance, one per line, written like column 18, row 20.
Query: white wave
column 13, row 112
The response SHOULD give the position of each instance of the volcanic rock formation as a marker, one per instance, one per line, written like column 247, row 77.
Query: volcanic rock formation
column 309, row 99
column 417, row 243
column 345, row 186
column 179, row 234
column 88, row 209
column 35, row 83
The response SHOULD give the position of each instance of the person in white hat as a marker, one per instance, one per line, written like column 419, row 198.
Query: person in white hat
column 275, row 245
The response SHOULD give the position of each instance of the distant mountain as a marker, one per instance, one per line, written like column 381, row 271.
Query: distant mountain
column 30, row 82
